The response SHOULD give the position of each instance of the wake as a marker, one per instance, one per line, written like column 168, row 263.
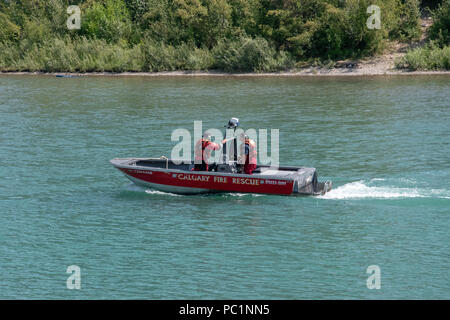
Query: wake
column 354, row 190
column 362, row 189
column 136, row 188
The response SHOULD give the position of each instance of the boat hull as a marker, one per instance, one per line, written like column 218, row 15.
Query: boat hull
column 191, row 183
column 167, row 188
column 196, row 182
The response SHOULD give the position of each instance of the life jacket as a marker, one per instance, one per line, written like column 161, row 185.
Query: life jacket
column 200, row 151
column 252, row 154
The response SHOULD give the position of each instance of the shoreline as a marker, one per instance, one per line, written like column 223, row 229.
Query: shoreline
column 308, row 72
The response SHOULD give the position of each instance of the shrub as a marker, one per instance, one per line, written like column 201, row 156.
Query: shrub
column 36, row 31
column 9, row 54
column 137, row 8
column 430, row 57
column 405, row 21
column 69, row 55
column 189, row 57
column 108, row 20
column 247, row 54
column 342, row 32
column 358, row 39
column 158, row 56
column 8, row 30
column 440, row 30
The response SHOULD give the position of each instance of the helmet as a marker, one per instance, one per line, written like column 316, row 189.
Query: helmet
column 244, row 136
column 206, row 135
column 233, row 123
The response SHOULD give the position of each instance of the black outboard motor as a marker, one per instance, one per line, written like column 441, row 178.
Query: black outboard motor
column 233, row 123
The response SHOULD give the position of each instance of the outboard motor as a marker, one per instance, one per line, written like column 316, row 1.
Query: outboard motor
column 233, row 123
column 229, row 166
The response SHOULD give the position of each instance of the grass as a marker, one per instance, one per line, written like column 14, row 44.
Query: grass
column 64, row 54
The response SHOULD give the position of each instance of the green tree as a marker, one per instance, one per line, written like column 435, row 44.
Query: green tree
column 9, row 31
column 107, row 19
column 406, row 20
column 440, row 30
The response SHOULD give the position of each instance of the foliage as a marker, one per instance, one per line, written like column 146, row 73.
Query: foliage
column 8, row 29
column 108, row 20
column 232, row 35
column 247, row 54
column 430, row 57
column 404, row 17
column 440, row 30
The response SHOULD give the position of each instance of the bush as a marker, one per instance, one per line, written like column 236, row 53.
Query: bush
column 98, row 55
column 336, row 29
column 36, row 31
column 430, row 57
column 137, row 8
column 190, row 57
column 405, row 20
column 247, row 54
column 158, row 56
column 343, row 32
column 328, row 38
column 108, row 20
column 440, row 30
column 8, row 30
column 9, row 54
column 359, row 40
column 68, row 55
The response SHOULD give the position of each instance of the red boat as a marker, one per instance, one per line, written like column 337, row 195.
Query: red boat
column 165, row 175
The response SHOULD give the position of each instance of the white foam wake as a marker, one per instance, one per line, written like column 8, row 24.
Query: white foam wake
column 243, row 194
column 150, row 191
column 136, row 188
column 359, row 190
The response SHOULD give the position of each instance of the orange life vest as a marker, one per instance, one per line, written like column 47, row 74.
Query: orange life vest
column 252, row 154
column 203, row 149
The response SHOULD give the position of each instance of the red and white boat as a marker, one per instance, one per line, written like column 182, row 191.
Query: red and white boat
column 165, row 175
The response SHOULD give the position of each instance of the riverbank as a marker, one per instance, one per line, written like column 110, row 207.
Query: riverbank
column 119, row 36
column 383, row 64
column 379, row 65
column 313, row 72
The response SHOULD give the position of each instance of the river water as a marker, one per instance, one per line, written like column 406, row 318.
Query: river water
column 383, row 141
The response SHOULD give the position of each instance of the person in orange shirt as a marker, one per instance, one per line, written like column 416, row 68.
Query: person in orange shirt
column 248, row 150
column 202, row 151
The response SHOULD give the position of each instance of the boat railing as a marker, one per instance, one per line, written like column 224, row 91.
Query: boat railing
column 160, row 158
column 167, row 161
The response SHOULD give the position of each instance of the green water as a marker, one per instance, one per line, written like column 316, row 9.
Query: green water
column 384, row 141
